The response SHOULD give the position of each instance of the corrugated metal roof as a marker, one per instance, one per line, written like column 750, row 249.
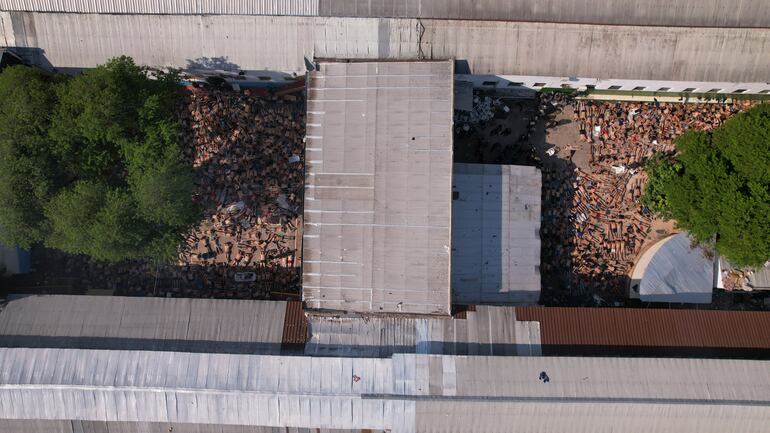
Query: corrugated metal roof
column 485, row 331
column 295, row 325
column 566, row 330
column 544, row 49
column 698, row 13
column 405, row 393
column 183, row 7
column 76, row 426
column 677, row 272
column 751, row 13
column 107, row 322
column 378, row 187
column 496, row 234
column 198, row 388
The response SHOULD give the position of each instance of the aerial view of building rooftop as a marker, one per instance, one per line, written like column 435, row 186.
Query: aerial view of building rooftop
column 335, row 216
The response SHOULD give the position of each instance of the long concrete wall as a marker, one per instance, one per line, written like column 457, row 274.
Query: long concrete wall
column 692, row 13
column 503, row 48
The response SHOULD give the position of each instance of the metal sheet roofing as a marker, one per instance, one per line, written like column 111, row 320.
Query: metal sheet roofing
column 752, row 13
column 77, row 426
column 699, row 13
column 485, row 331
column 677, row 272
column 607, row 331
column 405, row 393
column 378, row 187
column 107, row 322
column 547, row 49
column 183, row 7
column 138, row 386
column 496, row 234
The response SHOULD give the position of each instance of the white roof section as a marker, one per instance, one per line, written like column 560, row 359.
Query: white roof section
column 676, row 272
column 115, row 322
column 485, row 331
column 378, row 187
column 496, row 234
column 405, row 393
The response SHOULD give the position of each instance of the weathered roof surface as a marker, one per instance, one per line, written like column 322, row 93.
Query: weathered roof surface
column 546, row 49
column 378, row 187
column 699, row 13
column 677, row 272
column 196, row 388
column 484, row 331
column 406, row 393
column 107, row 322
column 496, row 234
column 77, row 426
column 183, row 7
column 650, row 331
column 752, row 13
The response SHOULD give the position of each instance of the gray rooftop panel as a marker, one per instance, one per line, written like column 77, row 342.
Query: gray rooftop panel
column 378, row 187
column 113, row 322
column 496, row 234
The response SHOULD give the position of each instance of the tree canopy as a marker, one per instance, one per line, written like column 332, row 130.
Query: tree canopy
column 717, row 186
column 91, row 164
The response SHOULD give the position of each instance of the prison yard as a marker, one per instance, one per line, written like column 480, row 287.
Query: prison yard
column 245, row 151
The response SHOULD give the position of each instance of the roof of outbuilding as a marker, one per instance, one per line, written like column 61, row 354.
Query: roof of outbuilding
column 378, row 187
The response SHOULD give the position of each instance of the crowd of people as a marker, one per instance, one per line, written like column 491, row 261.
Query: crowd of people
column 594, row 224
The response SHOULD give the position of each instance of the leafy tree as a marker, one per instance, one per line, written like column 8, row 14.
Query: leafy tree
column 91, row 164
column 29, row 172
column 72, row 214
column 157, row 187
column 661, row 169
column 718, row 187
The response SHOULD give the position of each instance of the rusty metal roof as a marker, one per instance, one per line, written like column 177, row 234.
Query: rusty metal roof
column 566, row 330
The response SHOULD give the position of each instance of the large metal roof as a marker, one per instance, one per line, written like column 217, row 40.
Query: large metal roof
column 70, row 40
column 701, row 13
column 405, row 393
column 113, row 322
column 496, row 234
column 378, row 187
column 77, row 426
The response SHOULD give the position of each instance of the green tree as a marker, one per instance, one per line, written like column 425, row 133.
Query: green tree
column 718, row 188
column 91, row 164
column 29, row 173
column 72, row 214
column 157, row 187
column 660, row 169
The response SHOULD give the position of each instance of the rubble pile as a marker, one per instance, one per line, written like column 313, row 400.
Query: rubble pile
column 594, row 223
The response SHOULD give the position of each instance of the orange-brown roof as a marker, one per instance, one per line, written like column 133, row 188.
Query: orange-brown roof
column 649, row 328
